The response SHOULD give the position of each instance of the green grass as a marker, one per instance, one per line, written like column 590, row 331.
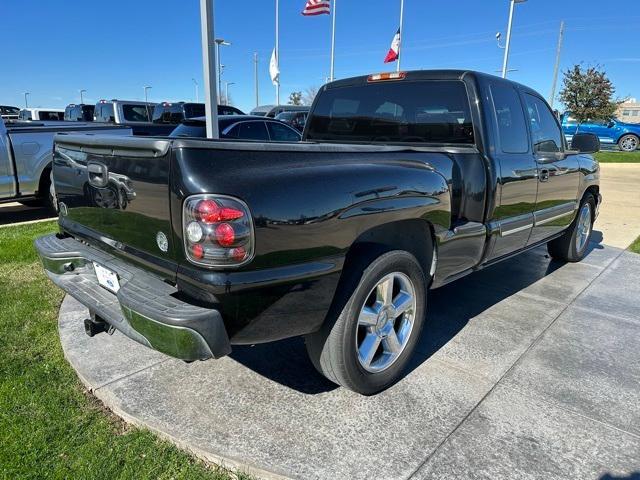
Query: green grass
column 635, row 246
column 49, row 426
column 618, row 157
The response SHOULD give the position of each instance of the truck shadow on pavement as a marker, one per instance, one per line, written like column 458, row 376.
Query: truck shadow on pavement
column 15, row 213
column 450, row 308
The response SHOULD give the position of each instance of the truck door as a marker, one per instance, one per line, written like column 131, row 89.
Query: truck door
column 558, row 173
column 517, row 183
column 7, row 178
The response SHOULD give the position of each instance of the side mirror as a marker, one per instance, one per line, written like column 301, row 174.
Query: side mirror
column 610, row 124
column 585, row 143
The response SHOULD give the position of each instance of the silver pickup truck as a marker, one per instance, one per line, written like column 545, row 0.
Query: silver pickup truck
column 26, row 153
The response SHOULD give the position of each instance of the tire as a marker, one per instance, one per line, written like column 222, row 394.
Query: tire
column 628, row 143
column 572, row 246
column 363, row 317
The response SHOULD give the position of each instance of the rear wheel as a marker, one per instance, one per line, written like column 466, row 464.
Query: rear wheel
column 628, row 143
column 367, row 344
column 572, row 245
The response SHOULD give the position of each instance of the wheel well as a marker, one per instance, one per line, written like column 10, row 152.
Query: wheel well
column 414, row 236
column 43, row 184
column 627, row 134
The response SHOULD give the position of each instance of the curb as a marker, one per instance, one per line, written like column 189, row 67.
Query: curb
column 110, row 400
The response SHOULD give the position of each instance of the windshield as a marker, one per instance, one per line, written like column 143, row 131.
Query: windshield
column 137, row 113
column 430, row 111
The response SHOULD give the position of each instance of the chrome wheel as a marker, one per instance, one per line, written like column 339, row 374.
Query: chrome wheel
column 385, row 322
column 628, row 143
column 583, row 228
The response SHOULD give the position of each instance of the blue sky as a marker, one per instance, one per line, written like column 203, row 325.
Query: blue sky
column 113, row 48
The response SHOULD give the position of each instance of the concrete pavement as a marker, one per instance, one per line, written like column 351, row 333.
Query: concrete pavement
column 528, row 369
column 619, row 218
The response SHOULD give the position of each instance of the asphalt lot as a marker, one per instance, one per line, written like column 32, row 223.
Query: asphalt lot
column 528, row 369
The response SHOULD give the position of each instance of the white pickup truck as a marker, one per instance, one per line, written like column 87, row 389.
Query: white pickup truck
column 26, row 153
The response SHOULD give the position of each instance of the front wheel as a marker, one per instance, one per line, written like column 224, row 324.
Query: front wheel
column 628, row 143
column 573, row 244
column 367, row 344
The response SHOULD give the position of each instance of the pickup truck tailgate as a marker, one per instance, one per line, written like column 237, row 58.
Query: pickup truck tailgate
column 115, row 190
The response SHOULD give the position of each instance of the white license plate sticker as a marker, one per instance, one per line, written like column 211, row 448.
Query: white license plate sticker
column 107, row 278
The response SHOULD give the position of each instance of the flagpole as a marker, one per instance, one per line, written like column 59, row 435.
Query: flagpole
column 278, row 52
column 333, row 41
column 401, row 35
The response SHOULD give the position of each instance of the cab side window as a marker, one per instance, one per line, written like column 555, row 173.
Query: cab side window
column 545, row 133
column 512, row 128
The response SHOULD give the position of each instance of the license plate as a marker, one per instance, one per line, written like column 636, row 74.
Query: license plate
column 107, row 278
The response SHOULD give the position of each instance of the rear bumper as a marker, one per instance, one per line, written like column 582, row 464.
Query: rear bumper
column 145, row 308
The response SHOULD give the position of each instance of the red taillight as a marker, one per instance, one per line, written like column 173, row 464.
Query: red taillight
column 238, row 254
column 198, row 251
column 208, row 211
column 225, row 235
column 217, row 231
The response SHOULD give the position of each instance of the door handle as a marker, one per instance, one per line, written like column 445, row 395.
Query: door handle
column 98, row 174
column 544, row 175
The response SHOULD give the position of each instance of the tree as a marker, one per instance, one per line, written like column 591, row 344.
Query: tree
column 588, row 94
column 309, row 95
column 295, row 98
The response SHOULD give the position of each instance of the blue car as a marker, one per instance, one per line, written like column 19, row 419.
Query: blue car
column 611, row 132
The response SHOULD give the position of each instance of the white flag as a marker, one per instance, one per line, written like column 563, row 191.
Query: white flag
column 274, row 68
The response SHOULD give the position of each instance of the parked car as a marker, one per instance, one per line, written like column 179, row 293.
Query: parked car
column 610, row 132
column 176, row 112
column 41, row 114
column 79, row 112
column 296, row 119
column 136, row 115
column 9, row 113
column 406, row 181
column 240, row 128
column 26, row 158
column 272, row 110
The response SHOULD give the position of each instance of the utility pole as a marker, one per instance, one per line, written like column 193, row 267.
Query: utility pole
column 209, row 67
column 26, row 103
column 82, row 92
column 255, row 75
column 557, row 66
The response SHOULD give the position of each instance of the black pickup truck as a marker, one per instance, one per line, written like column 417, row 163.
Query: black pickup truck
column 405, row 182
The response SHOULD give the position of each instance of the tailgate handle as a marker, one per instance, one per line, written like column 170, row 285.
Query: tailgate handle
column 98, row 174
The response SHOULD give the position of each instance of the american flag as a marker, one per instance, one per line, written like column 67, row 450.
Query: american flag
column 317, row 7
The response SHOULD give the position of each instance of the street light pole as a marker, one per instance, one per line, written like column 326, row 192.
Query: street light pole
column 255, row 74
column 209, row 69
column 226, row 91
column 505, row 61
column 81, row 96
column 146, row 101
column 196, row 84
column 26, row 104
column 223, row 42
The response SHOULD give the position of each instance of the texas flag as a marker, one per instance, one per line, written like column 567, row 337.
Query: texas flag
column 394, row 51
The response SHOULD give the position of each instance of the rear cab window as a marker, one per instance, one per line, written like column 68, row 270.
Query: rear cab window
column 512, row 128
column 425, row 111
column 137, row 113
